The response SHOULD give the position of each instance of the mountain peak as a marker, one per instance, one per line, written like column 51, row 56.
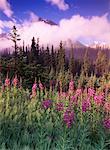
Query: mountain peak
column 47, row 21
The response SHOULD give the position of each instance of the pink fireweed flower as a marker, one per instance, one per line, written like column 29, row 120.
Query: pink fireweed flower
column 91, row 92
column 99, row 99
column 7, row 82
column 15, row 81
column 73, row 100
column 78, row 92
column 46, row 103
column 71, row 86
column 68, row 117
column 34, row 87
column 86, row 105
column 60, row 106
column 41, row 86
column 106, row 123
column 107, row 107
column 63, row 95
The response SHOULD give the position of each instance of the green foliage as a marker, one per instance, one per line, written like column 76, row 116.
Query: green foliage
column 25, row 124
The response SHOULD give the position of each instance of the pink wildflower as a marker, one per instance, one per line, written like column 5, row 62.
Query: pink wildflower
column 91, row 92
column 73, row 100
column 68, row 117
column 78, row 92
column 106, row 123
column 99, row 99
column 107, row 107
column 41, row 86
column 59, row 106
column 63, row 95
column 34, row 87
column 86, row 105
column 46, row 103
column 71, row 86
column 7, row 82
column 15, row 81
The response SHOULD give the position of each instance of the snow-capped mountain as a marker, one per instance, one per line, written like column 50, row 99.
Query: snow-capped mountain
column 47, row 21
column 78, row 44
column 97, row 44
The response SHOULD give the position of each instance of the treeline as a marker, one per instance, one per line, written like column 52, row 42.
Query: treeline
column 45, row 63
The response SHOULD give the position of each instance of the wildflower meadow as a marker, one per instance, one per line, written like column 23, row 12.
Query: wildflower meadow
column 54, row 119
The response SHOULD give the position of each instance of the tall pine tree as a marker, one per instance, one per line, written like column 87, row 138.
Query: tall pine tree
column 33, row 50
column 61, row 59
column 15, row 37
column 86, row 64
column 71, row 62
column 101, row 63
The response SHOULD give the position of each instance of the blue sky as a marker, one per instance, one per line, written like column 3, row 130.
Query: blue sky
column 45, row 9
column 87, row 21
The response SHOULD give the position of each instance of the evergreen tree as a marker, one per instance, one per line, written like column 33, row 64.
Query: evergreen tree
column 61, row 59
column 33, row 50
column 23, row 48
column 86, row 64
column 53, row 62
column 15, row 37
column 37, row 51
column 27, row 55
column 71, row 62
column 101, row 63
column 47, row 61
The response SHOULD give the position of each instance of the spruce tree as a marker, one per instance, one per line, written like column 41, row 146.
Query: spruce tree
column 37, row 51
column 61, row 59
column 71, row 62
column 86, row 64
column 33, row 50
column 53, row 63
column 101, row 63
column 15, row 37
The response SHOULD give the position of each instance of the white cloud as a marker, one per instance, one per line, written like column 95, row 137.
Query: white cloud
column 33, row 17
column 6, row 8
column 61, row 4
column 77, row 27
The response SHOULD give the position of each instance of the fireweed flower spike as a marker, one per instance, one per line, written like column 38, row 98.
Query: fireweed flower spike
column 41, row 86
column 99, row 99
column 71, row 86
column 73, row 100
column 7, row 82
column 78, row 92
column 46, row 103
column 63, row 95
column 106, row 123
column 91, row 92
column 59, row 106
column 86, row 105
column 68, row 117
column 15, row 81
column 107, row 107
column 34, row 88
